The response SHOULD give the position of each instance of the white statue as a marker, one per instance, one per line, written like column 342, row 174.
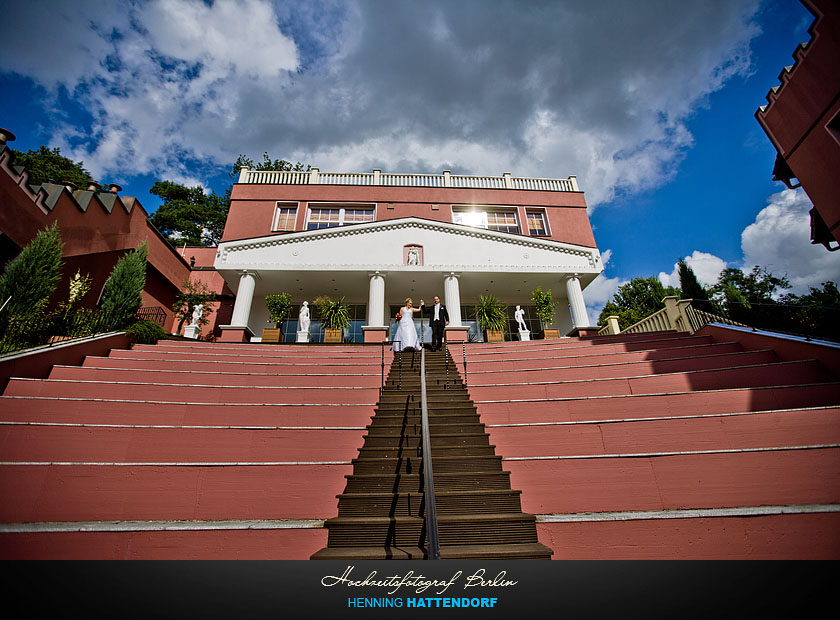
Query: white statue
column 303, row 318
column 196, row 315
column 519, row 315
column 413, row 256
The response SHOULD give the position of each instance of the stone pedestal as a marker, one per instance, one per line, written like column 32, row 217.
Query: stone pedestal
column 524, row 335
column 375, row 333
column 235, row 333
column 192, row 331
column 302, row 337
column 456, row 334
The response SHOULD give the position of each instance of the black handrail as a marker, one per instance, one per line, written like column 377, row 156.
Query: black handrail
column 428, row 476
column 464, row 350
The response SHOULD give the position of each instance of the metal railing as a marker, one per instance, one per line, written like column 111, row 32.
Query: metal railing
column 428, row 476
column 155, row 314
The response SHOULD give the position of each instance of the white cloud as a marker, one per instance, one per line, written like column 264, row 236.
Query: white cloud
column 601, row 289
column 601, row 90
column 780, row 239
column 706, row 267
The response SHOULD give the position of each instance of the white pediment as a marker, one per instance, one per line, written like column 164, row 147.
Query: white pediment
column 380, row 246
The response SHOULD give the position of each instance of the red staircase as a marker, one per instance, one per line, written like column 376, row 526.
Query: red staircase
column 724, row 444
column 183, row 450
column 665, row 445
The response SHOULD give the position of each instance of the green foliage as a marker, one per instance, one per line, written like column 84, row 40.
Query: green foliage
column 49, row 165
column 689, row 284
column 145, row 332
column 490, row 313
column 189, row 215
column 757, row 287
column 192, row 293
column 122, row 295
column 266, row 164
column 544, row 303
column 279, row 307
column 636, row 300
column 32, row 276
column 333, row 314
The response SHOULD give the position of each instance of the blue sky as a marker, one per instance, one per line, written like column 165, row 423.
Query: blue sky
column 649, row 103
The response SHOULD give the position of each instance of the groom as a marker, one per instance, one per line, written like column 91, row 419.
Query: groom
column 438, row 318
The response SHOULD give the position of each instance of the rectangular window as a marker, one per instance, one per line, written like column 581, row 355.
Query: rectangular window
column 323, row 218
column 329, row 217
column 536, row 224
column 503, row 220
column 284, row 217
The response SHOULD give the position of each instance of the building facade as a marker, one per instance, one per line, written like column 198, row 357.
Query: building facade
column 375, row 239
column 802, row 120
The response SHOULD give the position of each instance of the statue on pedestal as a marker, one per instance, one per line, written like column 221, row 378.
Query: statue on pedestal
column 519, row 315
column 303, row 323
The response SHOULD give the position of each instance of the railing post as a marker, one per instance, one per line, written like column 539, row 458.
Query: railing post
column 428, row 475
column 683, row 306
column 612, row 325
column 243, row 174
column 313, row 175
column 464, row 350
column 446, row 358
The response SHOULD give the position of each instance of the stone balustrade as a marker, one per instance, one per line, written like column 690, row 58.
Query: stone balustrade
column 377, row 177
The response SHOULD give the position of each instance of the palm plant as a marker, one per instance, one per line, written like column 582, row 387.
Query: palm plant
column 490, row 313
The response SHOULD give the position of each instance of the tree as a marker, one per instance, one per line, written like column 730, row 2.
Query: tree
column 189, row 215
column 689, row 284
column 123, row 292
column 636, row 300
column 757, row 287
column 192, row 293
column 49, row 165
column 193, row 216
column 30, row 278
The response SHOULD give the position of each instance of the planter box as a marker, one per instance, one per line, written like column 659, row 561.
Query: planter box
column 550, row 333
column 272, row 335
column 495, row 336
column 334, row 335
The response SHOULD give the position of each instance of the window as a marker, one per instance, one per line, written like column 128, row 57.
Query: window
column 284, row 217
column 329, row 217
column 536, row 224
column 503, row 220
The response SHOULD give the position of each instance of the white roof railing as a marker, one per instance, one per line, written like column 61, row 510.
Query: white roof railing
column 377, row 177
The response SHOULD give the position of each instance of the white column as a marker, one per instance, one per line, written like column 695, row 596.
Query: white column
column 376, row 301
column 579, row 316
column 244, row 298
column 452, row 299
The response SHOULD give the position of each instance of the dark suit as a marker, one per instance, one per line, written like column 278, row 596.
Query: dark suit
column 437, row 325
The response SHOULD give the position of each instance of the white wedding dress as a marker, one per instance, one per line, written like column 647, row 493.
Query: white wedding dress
column 406, row 336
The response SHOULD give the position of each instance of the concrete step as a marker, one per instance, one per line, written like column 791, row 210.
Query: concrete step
column 193, row 377
column 728, row 432
column 453, row 530
column 91, row 410
column 412, row 504
column 634, row 406
column 775, row 477
column 444, row 481
column 191, row 393
column 585, row 371
column 528, row 551
column 292, row 367
column 780, row 373
column 43, row 443
column 100, row 492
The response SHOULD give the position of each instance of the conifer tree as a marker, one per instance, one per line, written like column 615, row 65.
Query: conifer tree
column 122, row 295
column 30, row 278
column 689, row 284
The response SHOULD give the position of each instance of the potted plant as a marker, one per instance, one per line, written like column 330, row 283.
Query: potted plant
column 492, row 317
column 335, row 317
column 545, row 311
column 279, row 309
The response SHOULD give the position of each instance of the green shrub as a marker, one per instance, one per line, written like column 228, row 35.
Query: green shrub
column 122, row 295
column 145, row 332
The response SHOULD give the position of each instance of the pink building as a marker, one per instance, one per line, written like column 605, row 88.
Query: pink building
column 377, row 238
column 802, row 120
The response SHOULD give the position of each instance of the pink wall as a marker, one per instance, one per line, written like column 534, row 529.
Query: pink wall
column 252, row 206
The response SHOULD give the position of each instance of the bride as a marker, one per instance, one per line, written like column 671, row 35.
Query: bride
column 406, row 337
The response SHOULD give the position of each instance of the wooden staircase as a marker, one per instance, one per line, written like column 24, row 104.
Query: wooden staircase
column 381, row 512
